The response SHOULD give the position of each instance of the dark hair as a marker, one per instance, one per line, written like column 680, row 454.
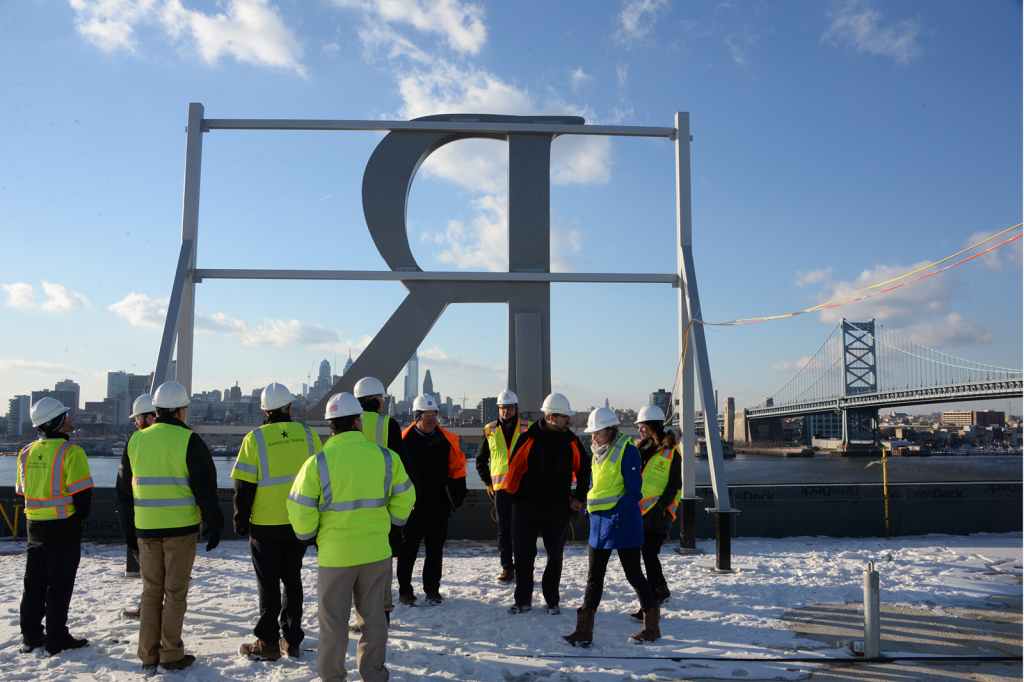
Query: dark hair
column 53, row 424
column 167, row 411
column 370, row 403
column 343, row 424
column 657, row 428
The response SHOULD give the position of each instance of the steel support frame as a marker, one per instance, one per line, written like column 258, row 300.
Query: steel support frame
column 693, row 352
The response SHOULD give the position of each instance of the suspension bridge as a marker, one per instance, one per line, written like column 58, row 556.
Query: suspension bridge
column 863, row 367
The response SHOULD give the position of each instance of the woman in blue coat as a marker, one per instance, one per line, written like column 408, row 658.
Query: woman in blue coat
column 615, row 524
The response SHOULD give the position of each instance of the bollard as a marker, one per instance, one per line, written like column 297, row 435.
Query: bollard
column 871, row 617
column 723, row 540
column 688, row 526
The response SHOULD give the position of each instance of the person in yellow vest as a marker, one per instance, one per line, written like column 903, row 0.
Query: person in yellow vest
column 167, row 483
column 500, row 438
column 613, row 504
column 144, row 415
column 53, row 476
column 662, row 490
column 267, row 463
column 384, row 431
column 345, row 499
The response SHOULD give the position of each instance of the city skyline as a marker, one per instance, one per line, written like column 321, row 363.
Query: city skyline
column 835, row 147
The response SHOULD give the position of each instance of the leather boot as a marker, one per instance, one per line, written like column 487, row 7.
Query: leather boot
column 261, row 651
column 652, row 626
column 584, row 635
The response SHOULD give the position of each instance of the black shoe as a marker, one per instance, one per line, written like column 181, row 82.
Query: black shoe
column 554, row 610
column 181, row 664
column 519, row 608
column 434, row 598
column 639, row 615
column 407, row 599
column 65, row 644
column 30, row 644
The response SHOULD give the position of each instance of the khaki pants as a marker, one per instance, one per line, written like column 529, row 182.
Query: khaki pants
column 337, row 587
column 166, row 565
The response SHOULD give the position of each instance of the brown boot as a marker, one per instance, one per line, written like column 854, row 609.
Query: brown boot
column 261, row 651
column 652, row 628
column 584, row 635
column 293, row 650
column 506, row 577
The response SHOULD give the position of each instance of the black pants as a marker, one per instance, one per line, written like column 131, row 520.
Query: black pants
column 630, row 560
column 650, row 550
column 50, row 570
column 503, row 513
column 433, row 533
column 278, row 562
column 551, row 524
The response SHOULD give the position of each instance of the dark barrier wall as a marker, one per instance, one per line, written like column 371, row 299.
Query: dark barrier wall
column 769, row 512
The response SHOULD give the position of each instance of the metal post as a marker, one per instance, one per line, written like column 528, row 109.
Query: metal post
column 190, row 232
column 684, row 396
column 723, row 542
column 872, row 636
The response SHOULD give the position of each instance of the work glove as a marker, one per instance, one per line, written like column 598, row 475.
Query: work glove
column 214, row 540
column 242, row 528
column 133, row 542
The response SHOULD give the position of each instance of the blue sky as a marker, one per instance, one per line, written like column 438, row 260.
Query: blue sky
column 836, row 144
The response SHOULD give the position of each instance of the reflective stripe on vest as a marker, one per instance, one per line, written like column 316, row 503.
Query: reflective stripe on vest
column 326, row 501
column 608, row 486
column 374, row 428
column 261, row 445
column 655, row 475
column 54, row 487
column 161, row 488
column 499, row 450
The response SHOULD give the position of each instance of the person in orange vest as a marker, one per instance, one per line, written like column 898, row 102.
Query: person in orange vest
column 500, row 438
column 543, row 466
column 440, row 490
column 53, row 476
column 662, row 490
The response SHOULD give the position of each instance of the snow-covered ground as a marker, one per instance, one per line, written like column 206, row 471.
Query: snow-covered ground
column 471, row 637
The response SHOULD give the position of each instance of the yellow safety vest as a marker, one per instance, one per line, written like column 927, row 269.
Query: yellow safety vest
column 375, row 428
column 160, row 484
column 655, row 475
column 607, row 486
column 499, row 451
column 270, row 457
column 347, row 496
column 50, row 471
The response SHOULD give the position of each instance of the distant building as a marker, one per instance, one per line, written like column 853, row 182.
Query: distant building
column 662, row 399
column 606, row 403
column 18, row 415
column 412, row 377
column 117, row 384
column 965, row 418
column 235, row 393
column 348, row 364
column 71, row 387
column 66, row 398
column 137, row 385
column 428, row 388
column 488, row 410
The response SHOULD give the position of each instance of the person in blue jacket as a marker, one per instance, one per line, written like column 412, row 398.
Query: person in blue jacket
column 615, row 523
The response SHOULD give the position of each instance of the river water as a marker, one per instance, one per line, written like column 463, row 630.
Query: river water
column 743, row 470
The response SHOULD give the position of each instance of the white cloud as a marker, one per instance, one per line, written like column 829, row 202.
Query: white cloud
column 36, row 366
column 737, row 45
column 951, row 330
column 459, row 23
column 580, row 80
column 813, row 277
column 250, row 31
column 790, row 366
column 435, row 358
column 854, row 23
column 274, row 333
column 139, row 310
column 637, row 18
column 622, row 74
column 330, row 49
column 1007, row 256
column 566, row 244
column 19, row 295
column 59, row 299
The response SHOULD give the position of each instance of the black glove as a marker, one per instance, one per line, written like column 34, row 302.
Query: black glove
column 133, row 542
column 213, row 541
column 242, row 528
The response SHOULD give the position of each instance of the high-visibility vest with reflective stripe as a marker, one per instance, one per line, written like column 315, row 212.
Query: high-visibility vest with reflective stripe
column 160, row 483
column 655, row 475
column 499, row 450
column 347, row 496
column 50, row 471
column 375, row 428
column 271, row 457
column 607, row 486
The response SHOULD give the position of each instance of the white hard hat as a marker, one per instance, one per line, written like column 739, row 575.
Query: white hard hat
column 650, row 413
column 143, row 405
column 343, row 405
column 170, row 395
column 45, row 410
column 424, row 403
column 275, row 396
column 601, row 418
column 556, row 403
column 368, row 386
column 507, row 398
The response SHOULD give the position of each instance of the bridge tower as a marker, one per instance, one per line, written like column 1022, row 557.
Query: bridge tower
column 860, row 375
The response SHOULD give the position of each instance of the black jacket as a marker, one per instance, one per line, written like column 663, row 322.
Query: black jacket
column 202, row 475
column 547, row 479
column 58, row 530
column 483, row 458
column 658, row 520
column 436, row 492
